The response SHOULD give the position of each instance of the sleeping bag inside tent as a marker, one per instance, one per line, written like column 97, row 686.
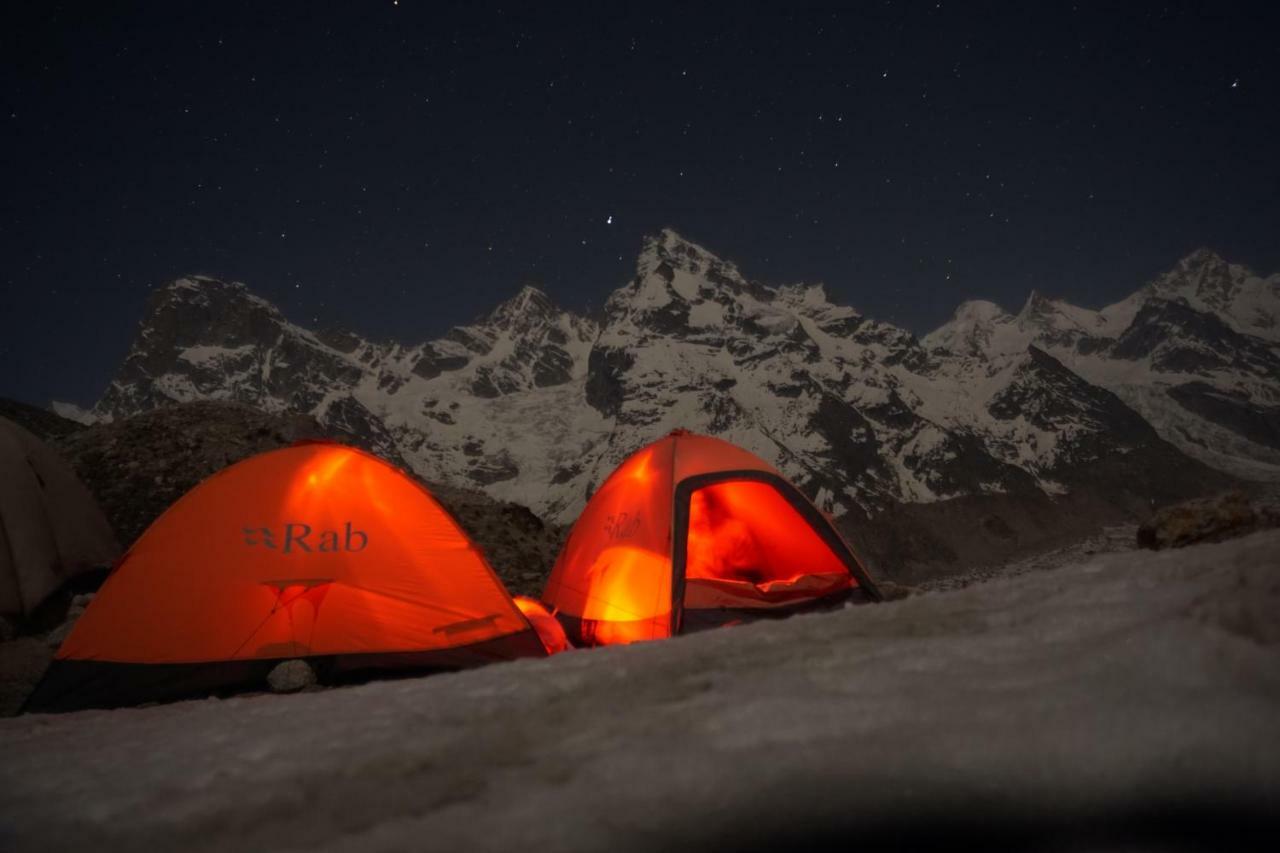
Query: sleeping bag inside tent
column 316, row 551
column 692, row 532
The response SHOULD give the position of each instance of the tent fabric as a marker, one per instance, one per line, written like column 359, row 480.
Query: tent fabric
column 746, row 531
column 694, row 523
column 549, row 629
column 718, row 593
column 51, row 528
column 314, row 551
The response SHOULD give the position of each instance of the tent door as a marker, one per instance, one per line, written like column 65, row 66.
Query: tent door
column 748, row 545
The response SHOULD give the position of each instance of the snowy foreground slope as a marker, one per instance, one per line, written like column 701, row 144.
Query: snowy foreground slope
column 1137, row 694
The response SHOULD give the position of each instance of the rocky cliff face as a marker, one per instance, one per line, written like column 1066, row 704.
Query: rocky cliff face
column 535, row 404
column 1196, row 353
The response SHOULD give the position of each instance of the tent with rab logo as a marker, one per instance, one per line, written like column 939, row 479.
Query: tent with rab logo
column 316, row 551
column 692, row 532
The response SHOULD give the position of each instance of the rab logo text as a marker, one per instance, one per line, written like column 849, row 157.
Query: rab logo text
column 296, row 537
column 621, row 525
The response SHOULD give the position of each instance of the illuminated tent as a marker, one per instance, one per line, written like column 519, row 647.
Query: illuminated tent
column 692, row 532
column 51, row 528
column 316, row 551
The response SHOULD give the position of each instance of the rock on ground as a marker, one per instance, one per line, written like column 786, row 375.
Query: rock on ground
column 1207, row 520
column 290, row 676
column 1127, row 701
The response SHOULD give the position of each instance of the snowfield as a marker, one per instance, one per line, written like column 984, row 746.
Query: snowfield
column 1038, row 706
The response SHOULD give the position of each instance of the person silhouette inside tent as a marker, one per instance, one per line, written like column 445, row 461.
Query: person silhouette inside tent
column 721, row 545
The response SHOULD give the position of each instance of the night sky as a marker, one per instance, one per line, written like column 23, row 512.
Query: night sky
column 396, row 168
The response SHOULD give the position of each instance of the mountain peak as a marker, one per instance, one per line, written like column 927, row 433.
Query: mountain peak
column 207, row 291
column 672, row 266
column 1037, row 303
column 1203, row 256
column 805, row 295
column 1038, row 310
column 670, row 239
column 678, row 252
column 970, row 329
column 1204, row 267
column 529, row 304
column 1203, row 277
column 979, row 310
column 198, row 282
column 530, row 297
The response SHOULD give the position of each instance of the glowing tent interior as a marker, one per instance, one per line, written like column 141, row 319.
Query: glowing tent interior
column 316, row 551
column 691, row 532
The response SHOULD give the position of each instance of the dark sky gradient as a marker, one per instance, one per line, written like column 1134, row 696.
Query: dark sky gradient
column 396, row 169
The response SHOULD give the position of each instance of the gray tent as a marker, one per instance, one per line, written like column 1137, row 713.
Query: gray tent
column 50, row 526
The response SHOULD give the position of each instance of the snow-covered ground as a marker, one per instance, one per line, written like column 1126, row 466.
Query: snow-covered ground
column 1109, row 540
column 1130, row 683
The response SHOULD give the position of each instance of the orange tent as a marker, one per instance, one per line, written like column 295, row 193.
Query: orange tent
column 316, row 551
column 692, row 532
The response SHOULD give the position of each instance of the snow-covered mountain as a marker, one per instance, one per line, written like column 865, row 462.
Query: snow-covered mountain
column 852, row 408
column 1196, row 352
column 536, row 405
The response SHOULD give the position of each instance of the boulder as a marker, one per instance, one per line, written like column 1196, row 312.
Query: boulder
column 291, row 676
column 891, row 591
column 1224, row 516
